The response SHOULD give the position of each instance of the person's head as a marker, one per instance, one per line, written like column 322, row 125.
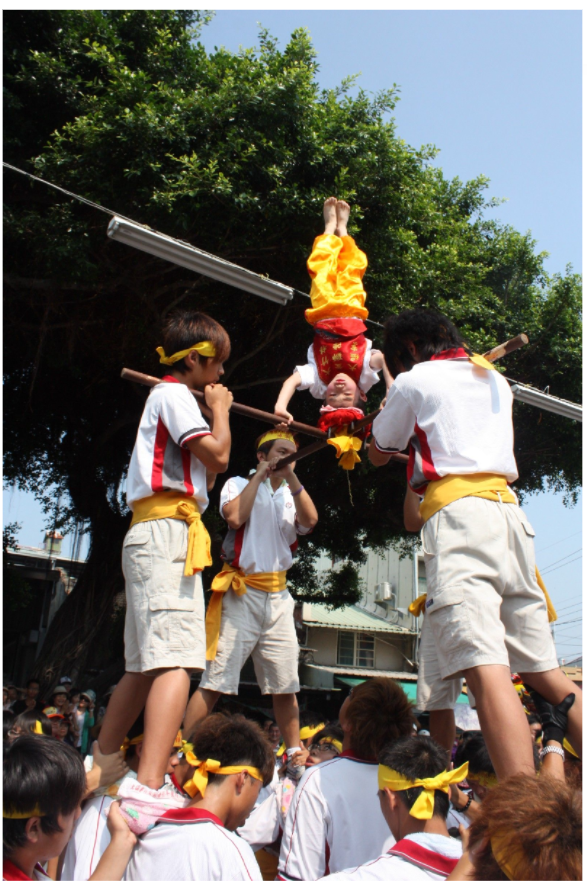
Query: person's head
column 67, row 683
column 481, row 777
column 32, row 688
column 31, row 722
column 416, row 335
column 74, row 696
column 44, row 783
column 276, row 445
column 59, row 697
column 274, row 734
column 266, row 724
column 234, row 742
column 58, row 728
column 325, row 745
column 528, row 829
column 184, row 329
column 414, row 758
column 310, row 723
column 342, row 392
column 13, row 692
column 374, row 714
column 535, row 725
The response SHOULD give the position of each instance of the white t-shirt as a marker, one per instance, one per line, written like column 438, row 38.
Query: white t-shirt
column 310, row 378
column 267, row 541
column 89, row 840
column 334, row 820
column 161, row 460
column 457, row 417
column 191, row 845
column 416, row 857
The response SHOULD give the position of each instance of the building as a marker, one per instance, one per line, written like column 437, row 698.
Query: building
column 36, row 583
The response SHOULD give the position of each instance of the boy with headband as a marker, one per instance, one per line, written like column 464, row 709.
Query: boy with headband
column 164, row 552
column 413, row 794
column 251, row 610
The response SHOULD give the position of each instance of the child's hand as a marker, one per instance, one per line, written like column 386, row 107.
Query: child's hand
column 281, row 411
column 119, row 830
column 218, row 395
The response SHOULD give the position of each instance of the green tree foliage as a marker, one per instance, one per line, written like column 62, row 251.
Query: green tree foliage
column 234, row 153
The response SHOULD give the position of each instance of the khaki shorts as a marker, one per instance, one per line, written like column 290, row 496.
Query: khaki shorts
column 261, row 625
column 484, row 606
column 433, row 693
column 164, row 625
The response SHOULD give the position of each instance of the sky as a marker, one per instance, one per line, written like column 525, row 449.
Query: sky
column 499, row 93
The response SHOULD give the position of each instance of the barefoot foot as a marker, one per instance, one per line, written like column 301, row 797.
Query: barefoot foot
column 343, row 212
column 330, row 211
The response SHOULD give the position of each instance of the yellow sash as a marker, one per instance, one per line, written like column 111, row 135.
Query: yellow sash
column 440, row 493
column 418, row 606
column 173, row 504
column 234, row 578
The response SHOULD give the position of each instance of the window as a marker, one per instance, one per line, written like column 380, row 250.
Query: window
column 356, row 648
column 421, row 577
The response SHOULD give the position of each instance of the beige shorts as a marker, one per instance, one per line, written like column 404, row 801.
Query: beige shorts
column 164, row 625
column 484, row 606
column 433, row 694
column 261, row 625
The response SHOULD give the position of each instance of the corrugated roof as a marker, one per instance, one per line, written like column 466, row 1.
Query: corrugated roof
column 351, row 618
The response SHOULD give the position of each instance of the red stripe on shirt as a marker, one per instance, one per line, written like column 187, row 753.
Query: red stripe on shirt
column 189, row 814
column 161, row 439
column 423, row 857
column 428, row 468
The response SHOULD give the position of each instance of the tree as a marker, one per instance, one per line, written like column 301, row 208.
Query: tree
column 234, row 153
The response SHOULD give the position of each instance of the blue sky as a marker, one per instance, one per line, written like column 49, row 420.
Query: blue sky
column 499, row 93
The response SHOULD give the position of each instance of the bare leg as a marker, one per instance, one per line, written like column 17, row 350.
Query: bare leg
column 442, row 728
column 164, row 713
column 287, row 715
column 199, row 707
column 502, row 719
column 126, row 704
column 343, row 212
column 554, row 685
column 330, row 215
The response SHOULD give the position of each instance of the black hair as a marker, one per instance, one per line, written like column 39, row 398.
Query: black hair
column 185, row 328
column 8, row 719
column 332, row 731
column 311, row 719
column 40, row 772
column 233, row 740
column 417, row 757
column 33, row 681
column 534, row 719
column 430, row 332
column 475, row 751
column 27, row 720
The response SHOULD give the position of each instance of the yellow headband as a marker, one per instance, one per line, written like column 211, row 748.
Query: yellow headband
column 206, row 349
column 199, row 781
column 423, row 806
column 14, row 815
column 507, row 857
column 275, row 435
column 126, row 743
column 331, row 741
column 488, row 780
column 308, row 732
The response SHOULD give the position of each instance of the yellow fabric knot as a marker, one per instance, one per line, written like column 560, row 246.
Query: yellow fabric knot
column 347, row 447
column 234, row 578
column 308, row 732
column 418, row 606
column 423, row 806
column 126, row 742
column 206, row 349
column 173, row 504
column 38, row 728
column 199, row 781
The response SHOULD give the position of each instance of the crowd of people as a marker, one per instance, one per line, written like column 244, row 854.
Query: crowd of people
column 173, row 790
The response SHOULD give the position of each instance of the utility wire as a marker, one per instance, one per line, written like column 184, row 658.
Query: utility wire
column 578, row 533
column 545, row 573
column 561, row 559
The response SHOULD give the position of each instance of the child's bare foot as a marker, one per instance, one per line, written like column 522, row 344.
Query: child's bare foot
column 330, row 212
column 343, row 212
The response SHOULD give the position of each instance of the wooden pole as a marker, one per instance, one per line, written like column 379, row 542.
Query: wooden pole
column 241, row 409
column 506, row 348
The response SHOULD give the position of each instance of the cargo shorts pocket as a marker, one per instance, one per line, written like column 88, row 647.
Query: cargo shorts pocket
column 449, row 617
column 173, row 620
column 137, row 560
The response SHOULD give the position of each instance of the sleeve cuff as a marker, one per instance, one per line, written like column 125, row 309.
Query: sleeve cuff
column 388, row 450
column 192, row 434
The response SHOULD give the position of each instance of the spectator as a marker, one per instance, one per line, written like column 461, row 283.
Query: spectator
column 527, row 829
column 31, row 700
column 86, row 707
column 13, row 694
column 274, row 737
column 59, row 700
column 67, row 683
